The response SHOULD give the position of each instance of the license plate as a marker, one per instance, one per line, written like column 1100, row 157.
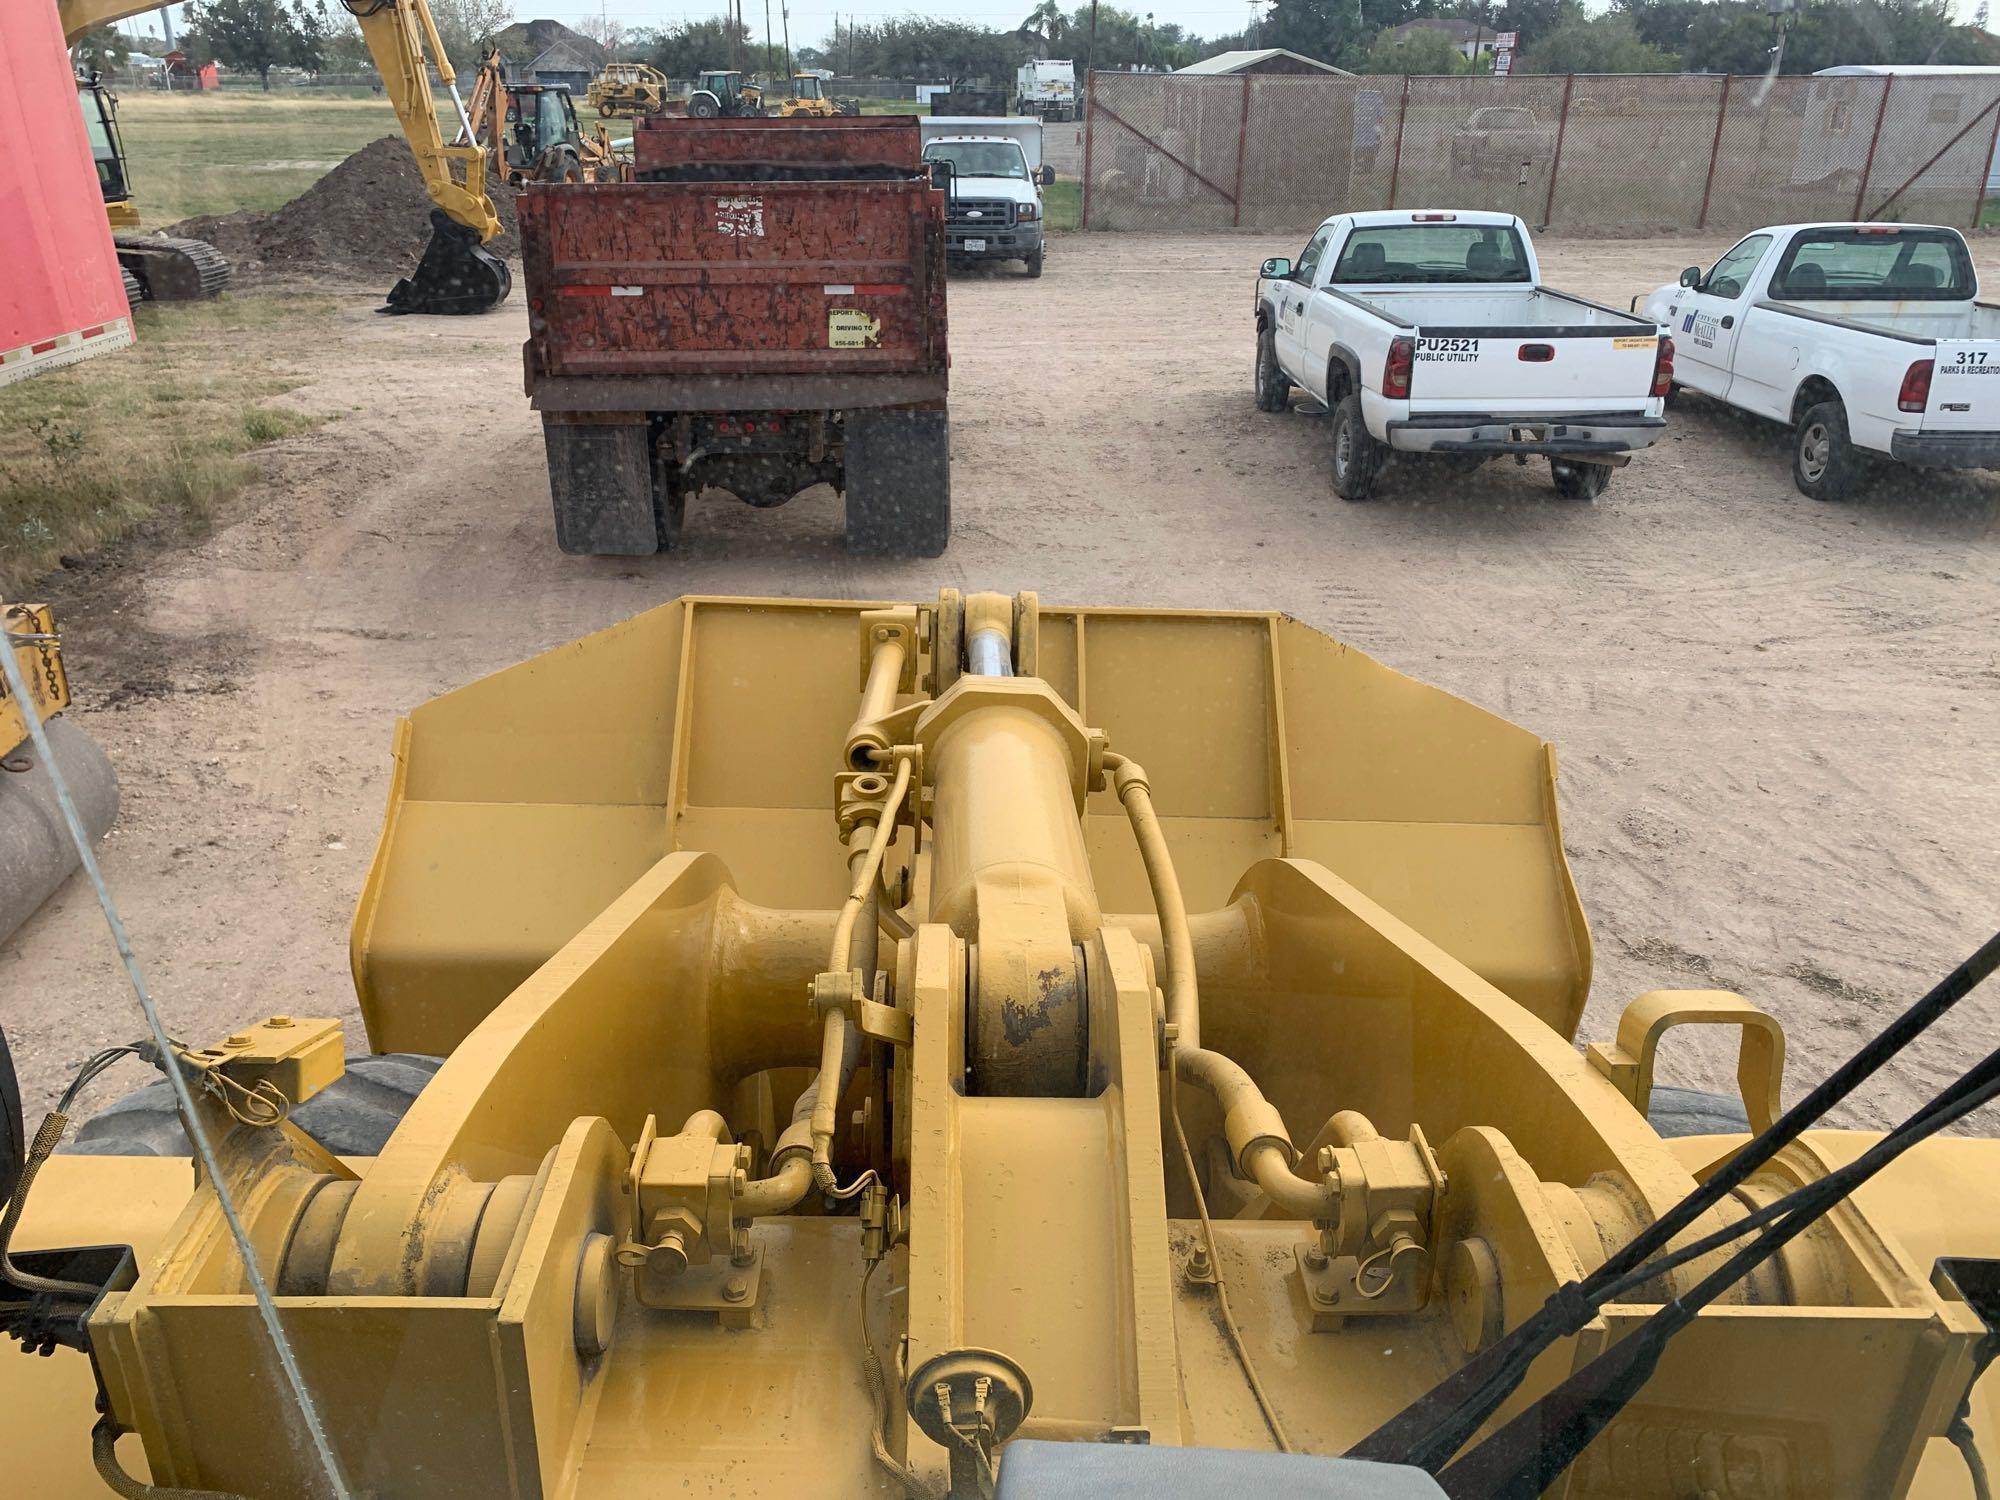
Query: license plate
column 975, row 244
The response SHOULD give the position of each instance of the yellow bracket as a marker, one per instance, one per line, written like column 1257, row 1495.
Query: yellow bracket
column 1760, row 1065
column 40, row 658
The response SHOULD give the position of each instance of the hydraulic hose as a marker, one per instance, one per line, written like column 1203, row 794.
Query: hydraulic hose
column 839, row 1044
column 1128, row 778
column 1256, row 1132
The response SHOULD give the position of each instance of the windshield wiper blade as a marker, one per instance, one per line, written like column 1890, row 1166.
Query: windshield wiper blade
column 1431, row 1429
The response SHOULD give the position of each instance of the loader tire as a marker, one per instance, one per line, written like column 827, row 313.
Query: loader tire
column 601, row 484
column 1679, row 1112
column 353, row 1116
column 1274, row 390
column 1824, row 463
column 703, row 107
column 1579, row 481
column 1357, row 457
column 898, row 483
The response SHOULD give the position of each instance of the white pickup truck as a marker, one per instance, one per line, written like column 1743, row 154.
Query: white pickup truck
column 1430, row 332
column 1856, row 336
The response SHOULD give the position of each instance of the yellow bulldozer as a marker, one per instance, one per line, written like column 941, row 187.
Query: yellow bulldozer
column 627, row 91
column 975, row 1048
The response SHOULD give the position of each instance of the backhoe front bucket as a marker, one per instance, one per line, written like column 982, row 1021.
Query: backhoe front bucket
column 456, row 275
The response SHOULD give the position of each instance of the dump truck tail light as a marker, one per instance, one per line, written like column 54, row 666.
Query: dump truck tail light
column 1396, row 368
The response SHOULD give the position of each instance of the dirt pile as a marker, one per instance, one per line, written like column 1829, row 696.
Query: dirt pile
column 369, row 217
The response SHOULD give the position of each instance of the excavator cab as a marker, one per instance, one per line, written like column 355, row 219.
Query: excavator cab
column 107, row 149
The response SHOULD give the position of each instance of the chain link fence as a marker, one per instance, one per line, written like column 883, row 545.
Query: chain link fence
column 1640, row 152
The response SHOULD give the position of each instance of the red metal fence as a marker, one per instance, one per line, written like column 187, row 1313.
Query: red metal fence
column 1643, row 152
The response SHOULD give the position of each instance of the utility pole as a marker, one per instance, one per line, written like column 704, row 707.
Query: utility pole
column 767, row 39
column 785, row 15
column 167, row 25
column 1090, row 51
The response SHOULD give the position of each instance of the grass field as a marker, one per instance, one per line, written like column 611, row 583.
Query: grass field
column 90, row 452
column 215, row 153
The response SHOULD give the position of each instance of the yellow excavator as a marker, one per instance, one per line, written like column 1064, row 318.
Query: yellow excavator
column 457, row 273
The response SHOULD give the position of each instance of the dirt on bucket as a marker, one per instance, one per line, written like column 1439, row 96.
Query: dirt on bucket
column 369, row 217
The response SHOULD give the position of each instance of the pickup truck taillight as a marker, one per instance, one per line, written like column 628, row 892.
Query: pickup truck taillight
column 1396, row 368
column 1916, row 392
column 1663, row 368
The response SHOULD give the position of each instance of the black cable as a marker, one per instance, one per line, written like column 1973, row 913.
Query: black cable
column 1436, row 1425
column 1530, row 1452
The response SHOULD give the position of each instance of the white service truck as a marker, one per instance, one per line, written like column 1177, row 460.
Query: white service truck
column 1046, row 87
column 993, row 207
column 1859, row 337
column 1430, row 332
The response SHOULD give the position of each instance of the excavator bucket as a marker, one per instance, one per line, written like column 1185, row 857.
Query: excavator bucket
column 457, row 274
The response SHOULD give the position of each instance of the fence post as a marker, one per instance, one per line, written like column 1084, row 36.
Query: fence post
column 1861, row 187
column 1562, row 127
column 1396, row 161
column 1708, row 184
column 1242, row 143
column 1089, row 135
column 1986, row 168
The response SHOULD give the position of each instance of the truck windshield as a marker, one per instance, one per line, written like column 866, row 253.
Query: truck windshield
column 1880, row 265
column 1432, row 253
column 980, row 158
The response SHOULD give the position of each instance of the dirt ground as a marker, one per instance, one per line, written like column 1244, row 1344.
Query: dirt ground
column 1778, row 721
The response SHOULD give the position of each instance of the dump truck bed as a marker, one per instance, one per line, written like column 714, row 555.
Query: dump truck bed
column 748, row 254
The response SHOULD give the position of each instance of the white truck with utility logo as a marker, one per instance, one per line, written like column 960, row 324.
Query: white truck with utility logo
column 1430, row 332
column 1859, row 337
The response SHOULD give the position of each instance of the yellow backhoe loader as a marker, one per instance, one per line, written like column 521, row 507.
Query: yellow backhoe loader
column 531, row 130
column 975, row 1049
column 807, row 96
column 457, row 274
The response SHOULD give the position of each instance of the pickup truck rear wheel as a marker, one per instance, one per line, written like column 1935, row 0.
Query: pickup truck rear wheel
column 1576, row 481
column 1824, row 463
column 1357, row 457
column 1274, row 391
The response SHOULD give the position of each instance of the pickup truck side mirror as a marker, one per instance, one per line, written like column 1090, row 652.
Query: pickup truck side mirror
column 1276, row 268
column 1691, row 277
column 1045, row 176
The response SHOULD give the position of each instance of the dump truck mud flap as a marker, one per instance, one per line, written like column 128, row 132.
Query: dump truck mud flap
column 36, row 855
column 898, row 482
column 600, row 478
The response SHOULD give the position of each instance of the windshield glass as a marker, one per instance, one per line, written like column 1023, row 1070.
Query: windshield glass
column 1394, row 253
column 980, row 158
column 1877, row 264
column 551, row 118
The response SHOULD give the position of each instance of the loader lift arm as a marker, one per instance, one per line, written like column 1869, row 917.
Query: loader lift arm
column 456, row 274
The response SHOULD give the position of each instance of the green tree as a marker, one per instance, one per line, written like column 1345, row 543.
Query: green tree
column 1596, row 44
column 256, row 36
column 690, row 47
column 100, row 50
column 1422, row 53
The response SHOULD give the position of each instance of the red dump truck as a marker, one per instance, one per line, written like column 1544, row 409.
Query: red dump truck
column 761, row 310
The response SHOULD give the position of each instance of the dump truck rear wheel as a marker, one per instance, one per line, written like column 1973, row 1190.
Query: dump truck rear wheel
column 1357, row 457
column 1274, row 391
column 898, row 483
column 1579, row 481
column 1824, row 463
column 601, row 484
column 1679, row 1112
column 353, row 1116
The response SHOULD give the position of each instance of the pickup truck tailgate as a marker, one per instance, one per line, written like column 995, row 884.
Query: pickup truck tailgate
column 1523, row 370
column 1965, row 387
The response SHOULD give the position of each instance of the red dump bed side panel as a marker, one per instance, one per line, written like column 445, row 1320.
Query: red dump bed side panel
column 666, row 142
column 721, row 278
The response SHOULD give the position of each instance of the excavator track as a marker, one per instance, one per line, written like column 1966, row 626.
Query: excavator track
column 170, row 269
